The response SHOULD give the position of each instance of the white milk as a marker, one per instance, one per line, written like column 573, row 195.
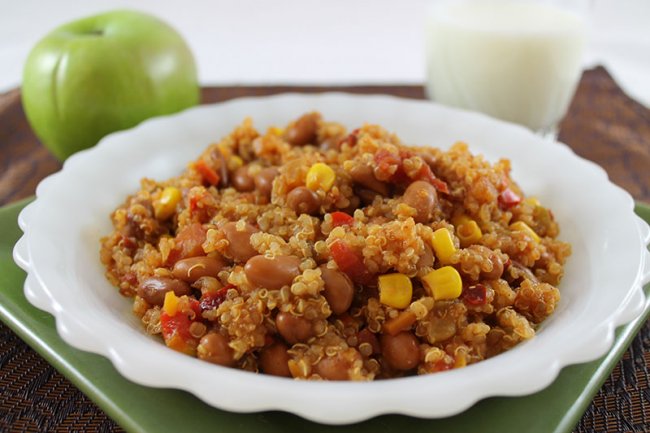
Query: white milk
column 515, row 60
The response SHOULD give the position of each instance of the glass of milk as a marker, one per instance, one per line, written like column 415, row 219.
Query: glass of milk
column 517, row 60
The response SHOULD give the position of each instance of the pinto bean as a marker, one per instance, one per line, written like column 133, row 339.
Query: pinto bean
column 239, row 248
column 368, row 337
column 242, row 180
column 294, row 329
column 193, row 268
column 333, row 367
column 339, row 290
column 214, row 348
column 275, row 360
column 422, row 197
column 153, row 289
column 303, row 131
column 366, row 196
column 365, row 176
column 494, row 258
column 303, row 200
column 272, row 274
column 401, row 351
column 264, row 180
column 188, row 243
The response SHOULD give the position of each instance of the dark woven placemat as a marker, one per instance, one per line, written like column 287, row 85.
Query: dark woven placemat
column 623, row 403
column 603, row 125
column 36, row 398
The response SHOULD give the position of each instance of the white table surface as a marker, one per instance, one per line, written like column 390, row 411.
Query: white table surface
column 335, row 42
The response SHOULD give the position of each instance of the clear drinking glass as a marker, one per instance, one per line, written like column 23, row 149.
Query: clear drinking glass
column 517, row 60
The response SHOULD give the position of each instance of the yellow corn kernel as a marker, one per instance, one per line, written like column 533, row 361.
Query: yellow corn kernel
column 166, row 204
column 395, row 290
column 469, row 233
column 170, row 306
column 320, row 176
column 235, row 162
column 443, row 283
column 443, row 245
column 276, row 130
column 460, row 360
column 521, row 226
column 460, row 219
column 532, row 201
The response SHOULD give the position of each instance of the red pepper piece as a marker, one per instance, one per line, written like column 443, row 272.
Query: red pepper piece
column 196, row 307
column 211, row 301
column 350, row 262
column 341, row 218
column 426, row 174
column 127, row 242
column 441, row 366
column 176, row 332
column 351, row 139
column 475, row 295
column 194, row 200
column 131, row 278
column 199, row 210
column 176, row 329
column 508, row 198
column 386, row 163
column 440, row 185
column 389, row 167
column 208, row 174
column 179, row 324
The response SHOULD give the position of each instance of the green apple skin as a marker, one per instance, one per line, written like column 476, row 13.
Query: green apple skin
column 102, row 74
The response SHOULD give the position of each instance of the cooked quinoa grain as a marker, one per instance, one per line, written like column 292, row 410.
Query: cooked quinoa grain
column 316, row 253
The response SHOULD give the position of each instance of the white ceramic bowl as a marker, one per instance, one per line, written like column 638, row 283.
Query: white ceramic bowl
column 601, row 290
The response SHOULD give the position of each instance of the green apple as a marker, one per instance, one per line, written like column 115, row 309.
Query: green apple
column 103, row 74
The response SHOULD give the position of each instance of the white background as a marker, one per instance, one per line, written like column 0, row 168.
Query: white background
column 315, row 41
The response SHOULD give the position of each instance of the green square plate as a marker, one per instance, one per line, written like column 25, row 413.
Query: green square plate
column 140, row 409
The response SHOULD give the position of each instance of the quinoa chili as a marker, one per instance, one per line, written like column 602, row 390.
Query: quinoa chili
column 314, row 252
